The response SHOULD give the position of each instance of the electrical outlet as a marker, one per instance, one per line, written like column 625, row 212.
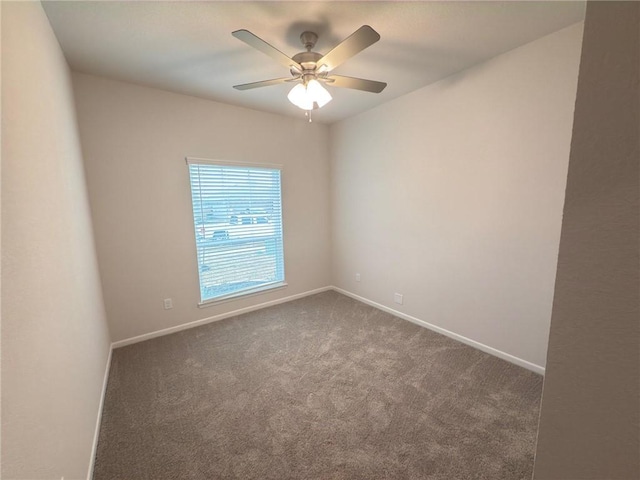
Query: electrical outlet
column 397, row 297
column 168, row 303
column 357, row 277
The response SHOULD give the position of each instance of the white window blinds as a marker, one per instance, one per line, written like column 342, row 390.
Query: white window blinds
column 237, row 214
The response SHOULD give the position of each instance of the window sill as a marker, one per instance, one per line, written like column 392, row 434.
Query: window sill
column 244, row 294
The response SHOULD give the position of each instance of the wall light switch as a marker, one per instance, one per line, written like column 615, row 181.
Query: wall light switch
column 168, row 303
column 357, row 277
column 397, row 297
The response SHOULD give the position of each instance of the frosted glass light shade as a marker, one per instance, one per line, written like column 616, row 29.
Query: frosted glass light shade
column 298, row 96
column 318, row 93
column 304, row 96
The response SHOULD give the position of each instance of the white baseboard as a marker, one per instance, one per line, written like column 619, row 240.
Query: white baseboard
column 96, row 434
column 214, row 318
column 472, row 343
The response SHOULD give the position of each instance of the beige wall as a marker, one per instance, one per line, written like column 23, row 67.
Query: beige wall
column 55, row 341
column 452, row 195
column 589, row 422
column 134, row 141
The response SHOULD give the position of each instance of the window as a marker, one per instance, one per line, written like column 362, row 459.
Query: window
column 237, row 215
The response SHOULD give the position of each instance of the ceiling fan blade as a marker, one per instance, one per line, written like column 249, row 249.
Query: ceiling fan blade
column 256, row 42
column 356, row 83
column 263, row 83
column 362, row 38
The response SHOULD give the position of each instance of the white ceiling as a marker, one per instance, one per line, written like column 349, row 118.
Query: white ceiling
column 187, row 47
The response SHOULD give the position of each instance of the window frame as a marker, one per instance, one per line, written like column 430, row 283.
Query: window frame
column 258, row 290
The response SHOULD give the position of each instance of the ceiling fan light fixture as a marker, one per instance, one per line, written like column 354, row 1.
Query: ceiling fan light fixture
column 305, row 96
column 298, row 96
column 318, row 93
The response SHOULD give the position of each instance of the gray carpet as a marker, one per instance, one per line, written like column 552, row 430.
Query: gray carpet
column 320, row 388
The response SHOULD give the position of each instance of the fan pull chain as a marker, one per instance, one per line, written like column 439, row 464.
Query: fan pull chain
column 307, row 113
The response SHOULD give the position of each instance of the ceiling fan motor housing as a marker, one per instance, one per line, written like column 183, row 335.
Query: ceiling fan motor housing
column 308, row 61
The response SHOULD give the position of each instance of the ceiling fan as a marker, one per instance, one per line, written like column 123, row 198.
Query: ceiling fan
column 309, row 69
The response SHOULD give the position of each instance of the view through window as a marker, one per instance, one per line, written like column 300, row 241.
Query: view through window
column 237, row 214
